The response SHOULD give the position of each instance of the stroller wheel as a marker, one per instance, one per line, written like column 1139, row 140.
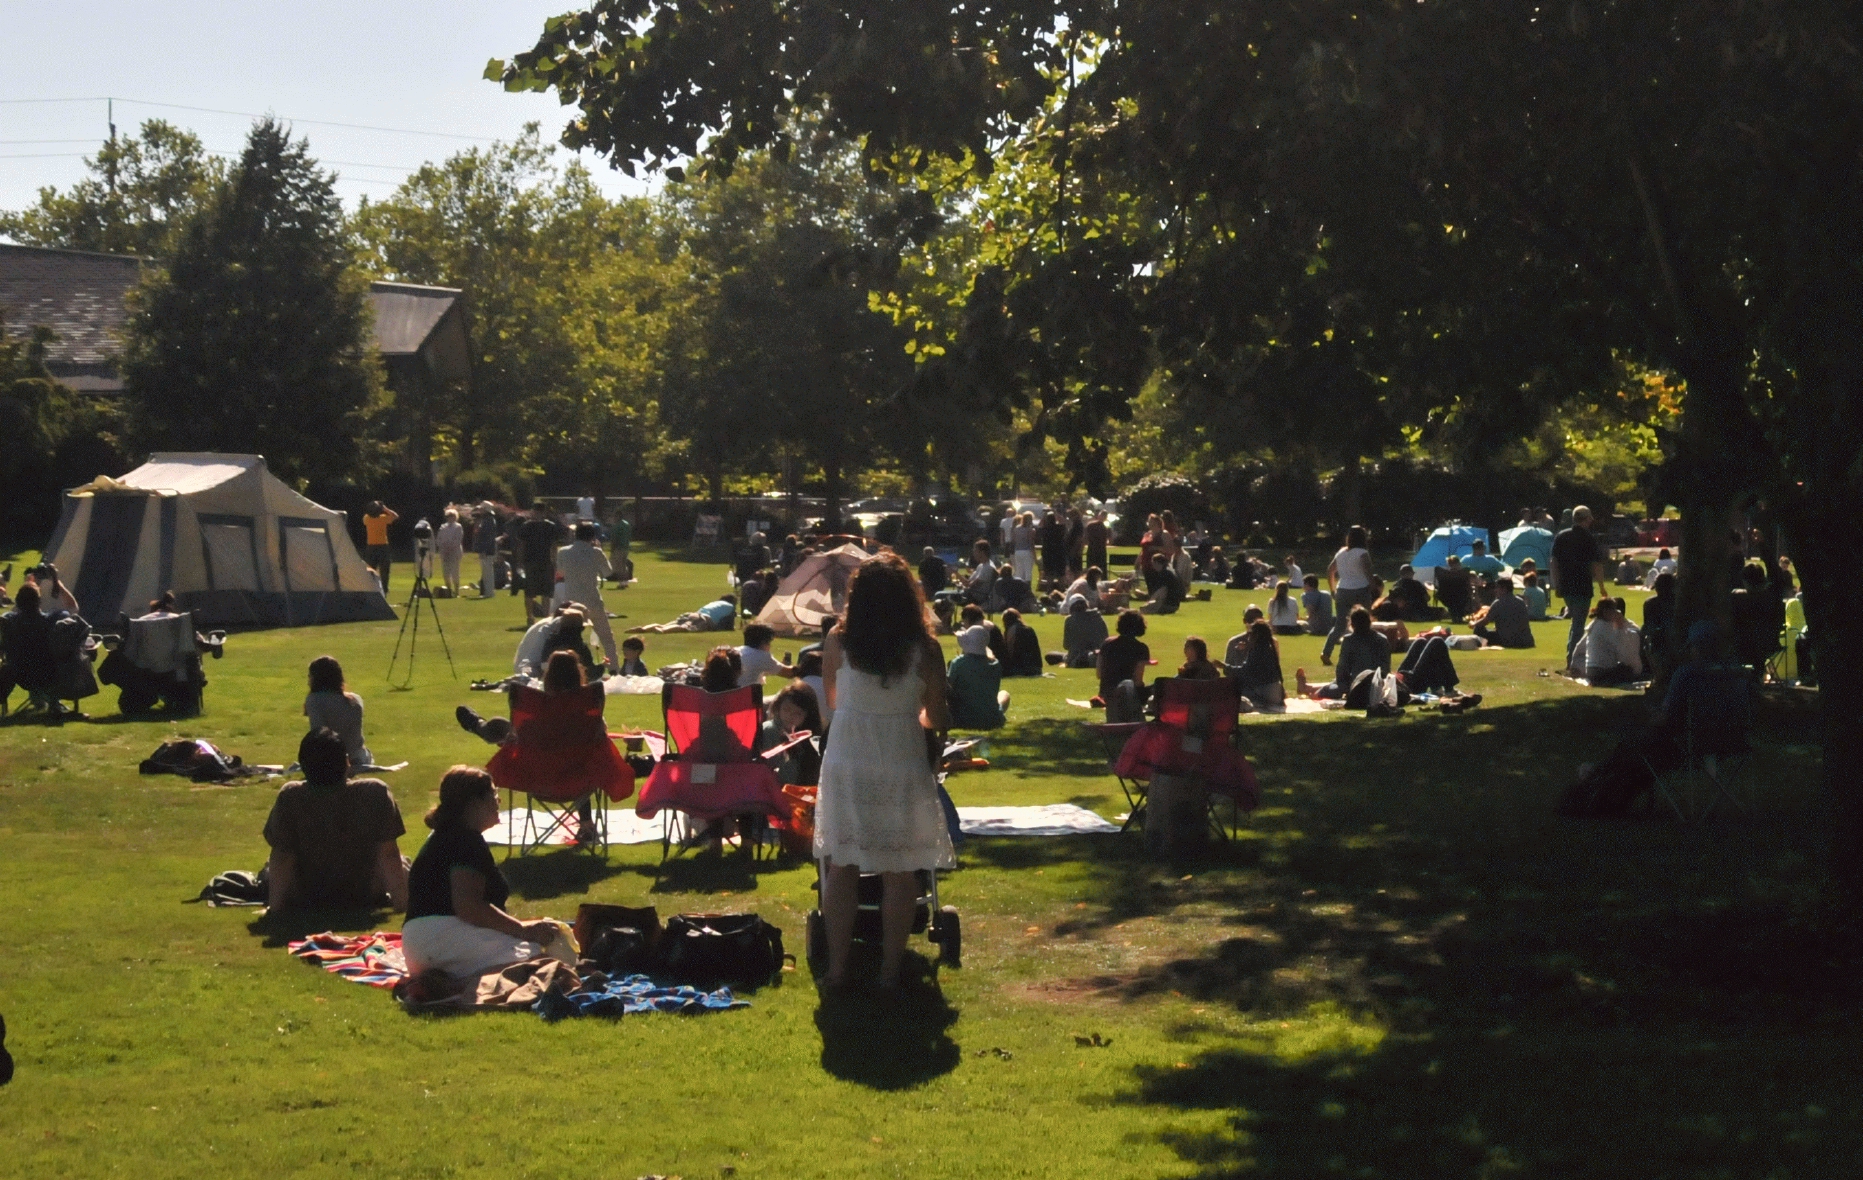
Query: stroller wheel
column 948, row 932
column 817, row 942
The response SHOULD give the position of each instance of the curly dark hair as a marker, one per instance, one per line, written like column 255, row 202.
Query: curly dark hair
column 884, row 622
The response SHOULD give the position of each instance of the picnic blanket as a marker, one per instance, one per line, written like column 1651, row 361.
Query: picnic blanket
column 547, row 987
column 625, row 826
column 374, row 959
column 1053, row 819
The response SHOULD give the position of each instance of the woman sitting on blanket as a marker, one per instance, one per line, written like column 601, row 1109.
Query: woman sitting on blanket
column 330, row 705
column 455, row 922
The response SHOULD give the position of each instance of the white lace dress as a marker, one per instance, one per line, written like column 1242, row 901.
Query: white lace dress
column 878, row 803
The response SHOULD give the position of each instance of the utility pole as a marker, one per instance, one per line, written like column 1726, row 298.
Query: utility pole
column 110, row 155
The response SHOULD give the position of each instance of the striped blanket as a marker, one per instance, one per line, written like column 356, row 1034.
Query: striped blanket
column 374, row 959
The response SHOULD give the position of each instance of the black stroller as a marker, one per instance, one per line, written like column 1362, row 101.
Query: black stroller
column 939, row 923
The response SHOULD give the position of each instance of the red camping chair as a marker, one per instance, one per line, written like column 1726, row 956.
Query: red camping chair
column 711, row 770
column 1193, row 736
column 561, row 758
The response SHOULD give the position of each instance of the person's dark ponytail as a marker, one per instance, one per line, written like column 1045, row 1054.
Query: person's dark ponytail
column 460, row 788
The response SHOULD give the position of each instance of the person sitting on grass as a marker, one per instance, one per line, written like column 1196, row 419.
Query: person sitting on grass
column 1534, row 596
column 809, row 674
column 547, row 636
column 974, row 683
column 1082, row 633
column 1284, row 610
column 1629, row 572
column 981, row 584
column 934, row 574
column 1503, row 622
column 1163, row 592
column 1658, row 618
column 1318, row 604
column 1255, row 664
column 1087, row 586
column 754, row 656
column 333, row 837
column 716, row 615
column 1407, row 600
column 1012, row 592
column 456, row 923
column 1196, row 665
column 1022, row 647
column 1611, row 650
column 1665, row 563
column 330, row 705
column 1216, row 569
column 632, row 649
column 1482, row 563
column 1455, row 589
column 1361, row 650
column 1122, row 664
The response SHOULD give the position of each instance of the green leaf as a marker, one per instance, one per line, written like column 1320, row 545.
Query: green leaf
column 495, row 70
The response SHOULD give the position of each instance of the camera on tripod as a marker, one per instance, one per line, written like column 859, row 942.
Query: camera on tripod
column 423, row 547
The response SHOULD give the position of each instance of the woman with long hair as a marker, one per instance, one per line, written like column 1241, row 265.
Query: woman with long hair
column 330, row 705
column 1284, row 610
column 1350, row 576
column 878, row 809
column 456, row 921
column 1197, row 664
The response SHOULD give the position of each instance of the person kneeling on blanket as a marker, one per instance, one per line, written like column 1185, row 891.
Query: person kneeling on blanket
column 455, row 922
column 332, row 837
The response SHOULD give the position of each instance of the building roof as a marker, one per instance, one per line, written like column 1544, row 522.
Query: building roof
column 80, row 297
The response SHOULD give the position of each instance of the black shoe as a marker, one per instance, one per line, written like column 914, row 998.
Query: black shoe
column 468, row 720
column 6, row 1059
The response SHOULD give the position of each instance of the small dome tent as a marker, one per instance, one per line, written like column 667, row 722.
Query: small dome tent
column 1518, row 544
column 1458, row 539
column 814, row 590
column 238, row 547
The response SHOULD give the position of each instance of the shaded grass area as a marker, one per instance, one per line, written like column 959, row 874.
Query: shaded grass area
column 1405, row 967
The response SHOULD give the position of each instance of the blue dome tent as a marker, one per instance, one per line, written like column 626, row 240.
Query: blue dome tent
column 1518, row 544
column 1458, row 539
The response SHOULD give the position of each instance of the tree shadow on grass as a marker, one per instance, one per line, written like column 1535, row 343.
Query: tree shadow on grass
column 1051, row 746
column 889, row 1042
column 1471, row 985
column 709, row 872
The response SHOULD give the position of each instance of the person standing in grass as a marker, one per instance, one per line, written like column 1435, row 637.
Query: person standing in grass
column 375, row 521
column 878, row 810
column 1577, row 566
column 1349, row 576
column 582, row 568
column 449, row 541
column 537, row 538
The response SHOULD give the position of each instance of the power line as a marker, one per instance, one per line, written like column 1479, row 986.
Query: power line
column 86, row 139
column 175, row 106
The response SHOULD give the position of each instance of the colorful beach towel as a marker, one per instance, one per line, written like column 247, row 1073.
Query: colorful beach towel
column 633, row 995
column 374, row 959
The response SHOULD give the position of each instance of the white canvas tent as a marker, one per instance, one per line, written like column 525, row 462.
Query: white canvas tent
column 814, row 590
column 238, row 547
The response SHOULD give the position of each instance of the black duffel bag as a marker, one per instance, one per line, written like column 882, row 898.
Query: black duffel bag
column 707, row 950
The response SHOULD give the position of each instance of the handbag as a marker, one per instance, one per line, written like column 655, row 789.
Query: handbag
column 706, row 950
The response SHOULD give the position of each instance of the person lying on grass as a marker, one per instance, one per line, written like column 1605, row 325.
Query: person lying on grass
column 455, row 922
column 716, row 615
column 333, row 838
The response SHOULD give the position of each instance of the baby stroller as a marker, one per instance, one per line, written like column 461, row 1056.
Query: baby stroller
column 939, row 923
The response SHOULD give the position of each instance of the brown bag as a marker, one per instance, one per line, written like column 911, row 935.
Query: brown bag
column 592, row 917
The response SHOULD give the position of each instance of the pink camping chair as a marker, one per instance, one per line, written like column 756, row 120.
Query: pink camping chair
column 1194, row 737
column 711, row 770
column 562, row 757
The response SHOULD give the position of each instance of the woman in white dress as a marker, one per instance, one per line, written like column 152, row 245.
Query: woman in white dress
column 877, row 809
column 1023, row 559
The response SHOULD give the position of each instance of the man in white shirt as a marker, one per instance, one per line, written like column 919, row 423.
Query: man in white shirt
column 756, row 658
column 580, row 568
column 585, row 508
column 543, row 638
column 449, row 540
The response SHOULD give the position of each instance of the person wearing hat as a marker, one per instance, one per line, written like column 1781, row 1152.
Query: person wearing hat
column 975, row 683
column 1082, row 633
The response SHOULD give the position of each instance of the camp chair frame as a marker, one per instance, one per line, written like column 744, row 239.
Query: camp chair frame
column 1176, row 701
column 543, row 817
column 1113, row 736
column 683, row 709
column 1716, row 758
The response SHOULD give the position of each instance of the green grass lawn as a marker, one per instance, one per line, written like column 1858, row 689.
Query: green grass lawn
column 1407, row 966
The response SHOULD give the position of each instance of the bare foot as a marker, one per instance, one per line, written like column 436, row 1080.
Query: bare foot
column 1301, row 687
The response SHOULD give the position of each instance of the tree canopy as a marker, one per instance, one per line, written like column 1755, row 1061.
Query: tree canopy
column 140, row 190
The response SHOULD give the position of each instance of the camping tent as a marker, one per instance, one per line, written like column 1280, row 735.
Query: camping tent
column 1518, row 544
column 1458, row 539
column 814, row 590
column 236, row 545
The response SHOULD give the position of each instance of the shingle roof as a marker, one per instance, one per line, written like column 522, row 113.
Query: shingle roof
column 79, row 296
column 405, row 314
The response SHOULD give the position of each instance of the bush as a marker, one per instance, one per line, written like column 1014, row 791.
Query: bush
column 1157, row 493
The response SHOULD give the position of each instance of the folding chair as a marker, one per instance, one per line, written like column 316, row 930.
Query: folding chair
column 1716, row 751
column 1195, row 736
column 563, row 758
column 159, row 659
column 711, row 770
column 1113, row 737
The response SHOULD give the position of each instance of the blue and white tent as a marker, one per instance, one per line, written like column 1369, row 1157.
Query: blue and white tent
column 1458, row 539
column 1518, row 544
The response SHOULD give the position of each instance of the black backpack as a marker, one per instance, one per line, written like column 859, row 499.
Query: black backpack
column 706, row 950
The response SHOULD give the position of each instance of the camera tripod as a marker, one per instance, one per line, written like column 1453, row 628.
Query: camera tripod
column 412, row 612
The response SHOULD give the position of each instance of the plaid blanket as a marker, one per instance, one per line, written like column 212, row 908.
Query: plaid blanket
column 374, row 959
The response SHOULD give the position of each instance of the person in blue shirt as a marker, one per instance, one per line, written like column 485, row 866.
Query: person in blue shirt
column 1480, row 561
column 716, row 615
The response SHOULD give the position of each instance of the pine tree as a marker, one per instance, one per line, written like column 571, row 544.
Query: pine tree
column 257, row 337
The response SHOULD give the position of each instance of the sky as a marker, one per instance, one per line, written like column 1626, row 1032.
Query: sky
column 414, row 68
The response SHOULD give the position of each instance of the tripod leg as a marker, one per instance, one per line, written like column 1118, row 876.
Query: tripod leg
column 405, row 611
column 444, row 645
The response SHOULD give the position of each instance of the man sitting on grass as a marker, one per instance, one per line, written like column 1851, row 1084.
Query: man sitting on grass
column 333, row 838
column 1503, row 622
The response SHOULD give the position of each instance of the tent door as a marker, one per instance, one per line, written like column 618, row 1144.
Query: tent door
column 231, row 549
column 110, row 552
column 308, row 557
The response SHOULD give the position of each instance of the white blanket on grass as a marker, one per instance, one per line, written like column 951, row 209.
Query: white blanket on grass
column 1054, row 819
